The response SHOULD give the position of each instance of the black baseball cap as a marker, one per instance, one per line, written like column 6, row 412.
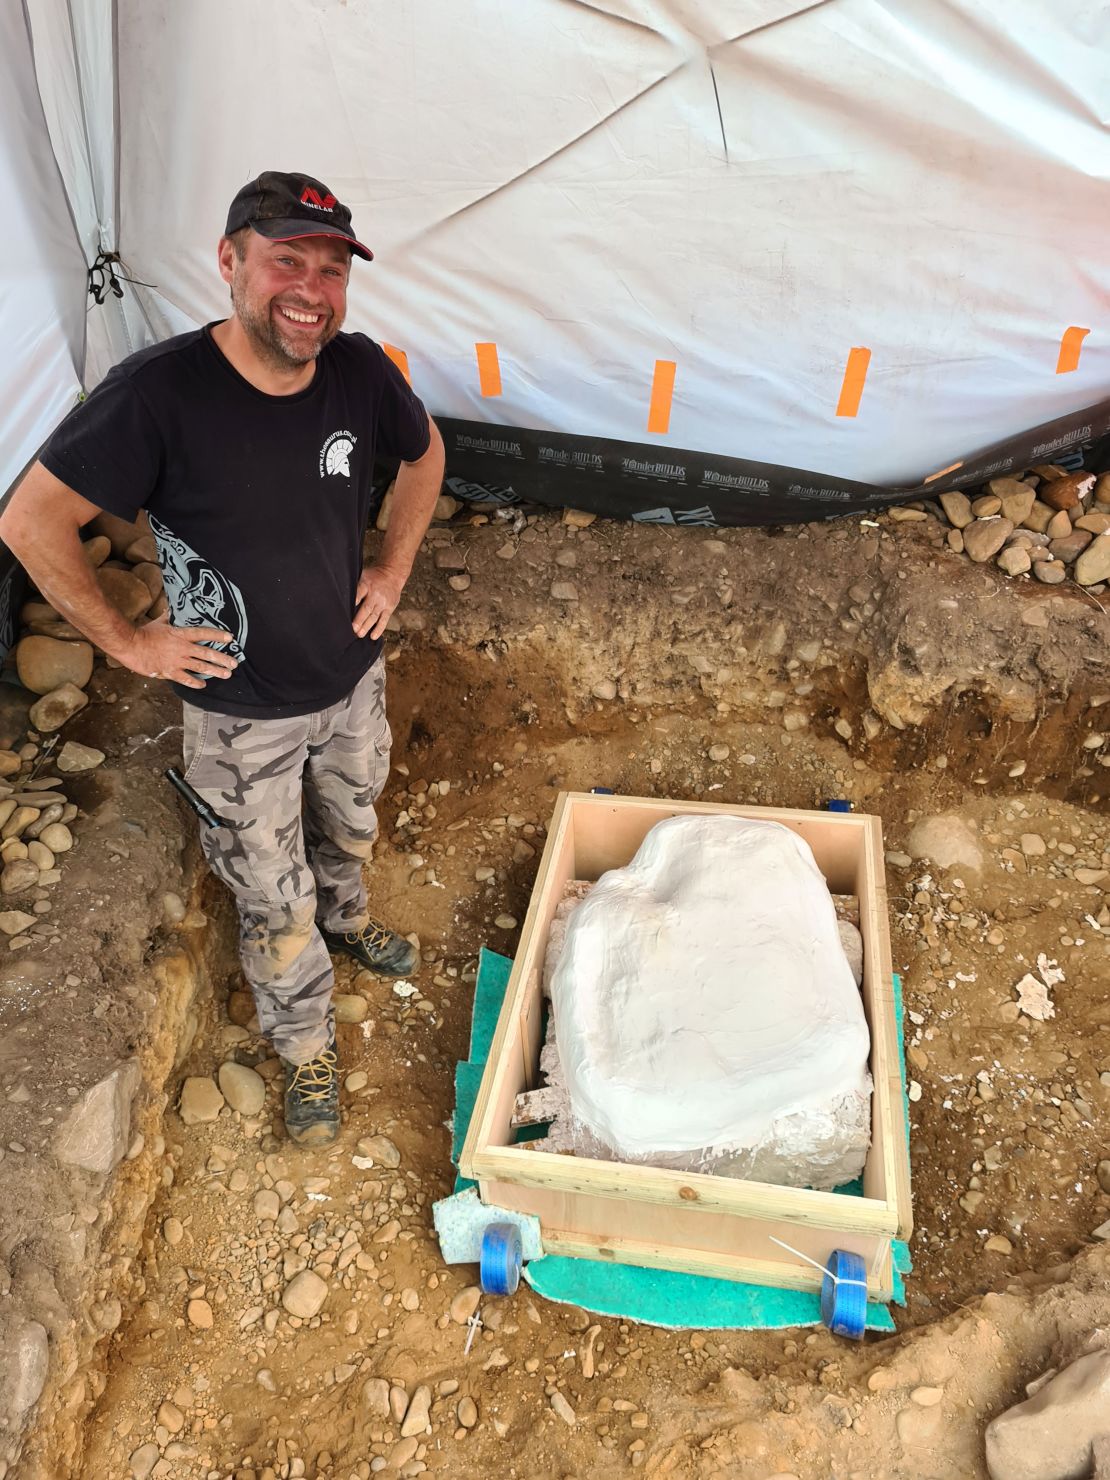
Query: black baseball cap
column 285, row 207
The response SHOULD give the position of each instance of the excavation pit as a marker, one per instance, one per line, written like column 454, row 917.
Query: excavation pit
column 763, row 668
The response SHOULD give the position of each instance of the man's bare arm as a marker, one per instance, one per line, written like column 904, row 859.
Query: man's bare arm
column 414, row 499
column 41, row 526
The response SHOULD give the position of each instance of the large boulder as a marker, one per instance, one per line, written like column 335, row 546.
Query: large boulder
column 1053, row 1435
column 45, row 663
column 96, row 1132
column 24, row 1355
column 947, row 841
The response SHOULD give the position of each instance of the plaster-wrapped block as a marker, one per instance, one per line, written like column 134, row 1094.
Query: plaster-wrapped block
column 706, row 1015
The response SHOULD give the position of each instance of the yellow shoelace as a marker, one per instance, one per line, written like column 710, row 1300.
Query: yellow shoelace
column 372, row 934
column 313, row 1081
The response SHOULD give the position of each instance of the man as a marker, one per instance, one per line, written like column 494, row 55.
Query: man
column 251, row 445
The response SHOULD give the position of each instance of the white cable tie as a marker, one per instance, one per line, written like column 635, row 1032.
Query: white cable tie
column 837, row 1279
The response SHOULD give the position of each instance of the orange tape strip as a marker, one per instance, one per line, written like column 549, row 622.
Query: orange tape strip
column 662, row 393
column 855, row 373
column 400, row 359
column 489, row 369
column 1070, row 346
column 951, row 468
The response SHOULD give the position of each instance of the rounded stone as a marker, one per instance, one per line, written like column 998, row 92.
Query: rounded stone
column 15, row 922
column 128, row 594
column 171, row 1415
column 350, row 1008
column 467, row 1412
column 143, row 1460
column 97, row 549
column 60, row 704
column 18, row 821
column 1066, row 493
column 267, row 1205
column 240, row 1004
column 465, row 1304
column 57, row 837
column 305, row 1294
column 199, row 1314
column 201, row 1101
column 927, row 1397
column 1014, row 560
column 242, row 1088
column 18, row 876
column 375, row 1397
column 1093, row 565
column 417, row 1415
column 984, row 538
column 144, row 549
column 380, row 1150
column 957, row 506
column 45, row 663
column 1051, row 572
column 173, row 1231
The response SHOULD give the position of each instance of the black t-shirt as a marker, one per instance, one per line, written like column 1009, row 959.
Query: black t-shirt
column 258, row 503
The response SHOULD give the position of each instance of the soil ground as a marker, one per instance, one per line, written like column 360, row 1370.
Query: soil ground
column 955, row 690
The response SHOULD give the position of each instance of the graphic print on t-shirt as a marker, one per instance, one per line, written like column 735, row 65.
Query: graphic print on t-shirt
column 199, row 595
column 335, row 455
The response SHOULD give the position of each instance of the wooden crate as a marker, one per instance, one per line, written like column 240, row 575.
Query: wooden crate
column 680, row 1220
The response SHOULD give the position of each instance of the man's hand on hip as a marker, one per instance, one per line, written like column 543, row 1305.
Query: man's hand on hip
column 377, row 595
column 160, row 650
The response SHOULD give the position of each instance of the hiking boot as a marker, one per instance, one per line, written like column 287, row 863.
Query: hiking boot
column 380, row 950
column 312, row 1098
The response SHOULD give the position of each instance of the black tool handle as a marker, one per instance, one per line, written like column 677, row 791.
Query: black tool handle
column 198, row 804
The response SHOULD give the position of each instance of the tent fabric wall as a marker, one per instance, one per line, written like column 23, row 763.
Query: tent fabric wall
column 74, row 45
column 748, row 190
column 42, row 307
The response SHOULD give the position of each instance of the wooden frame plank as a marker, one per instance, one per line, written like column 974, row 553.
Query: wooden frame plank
column 716, row 1244
column 799, row 1276
column 689, row 1192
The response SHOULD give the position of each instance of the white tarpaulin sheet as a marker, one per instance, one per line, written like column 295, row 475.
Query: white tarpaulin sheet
column 747, row 190
column 42, row 302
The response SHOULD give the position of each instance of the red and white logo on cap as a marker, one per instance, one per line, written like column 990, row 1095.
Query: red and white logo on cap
column 312, row 197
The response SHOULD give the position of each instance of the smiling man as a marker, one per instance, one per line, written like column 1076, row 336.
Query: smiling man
column 251, row 445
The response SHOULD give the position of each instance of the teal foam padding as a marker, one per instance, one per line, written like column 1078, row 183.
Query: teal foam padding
column 468, row 1077
column 489, row 993
column 659, row 1297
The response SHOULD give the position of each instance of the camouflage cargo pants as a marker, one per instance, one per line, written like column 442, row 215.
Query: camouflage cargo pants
column 297, row 797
